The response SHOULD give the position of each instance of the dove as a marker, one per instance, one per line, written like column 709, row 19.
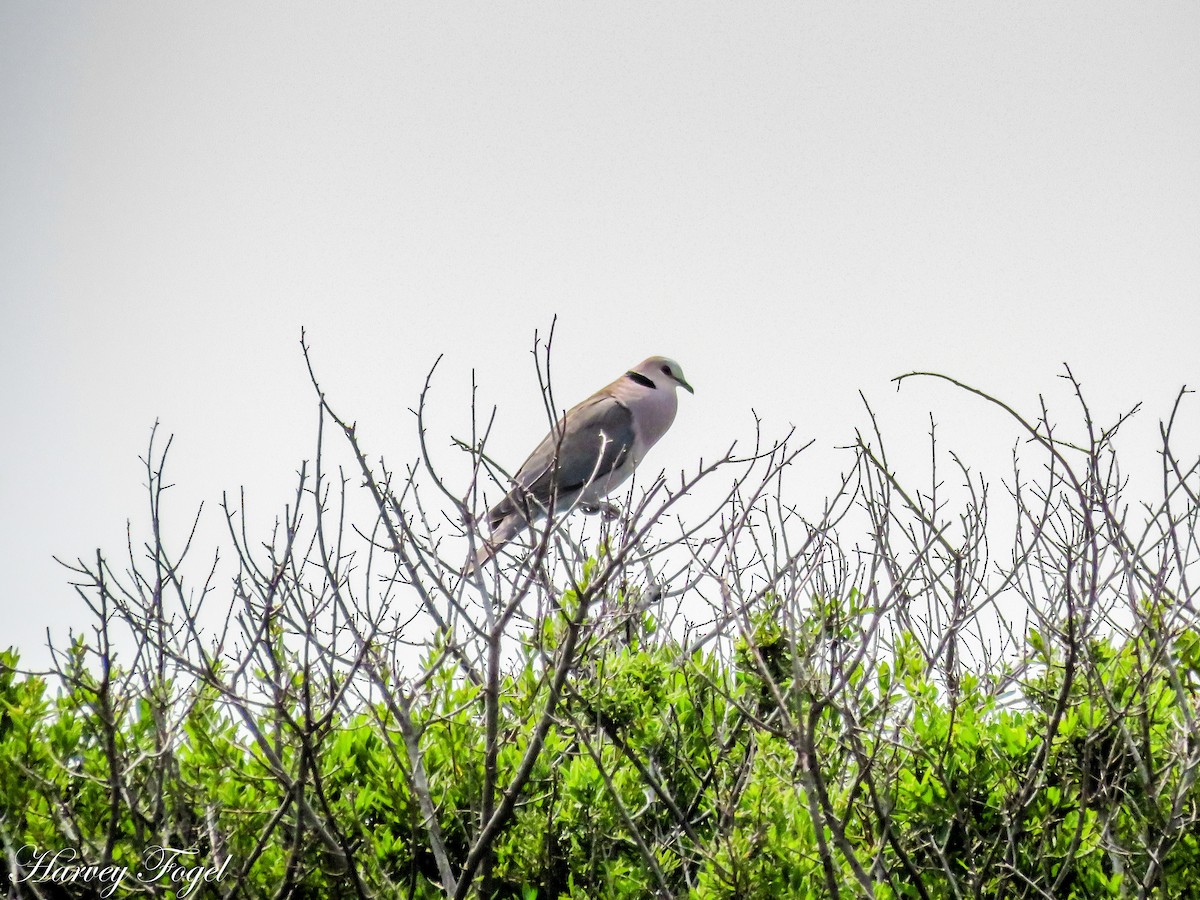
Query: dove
column 590, row 453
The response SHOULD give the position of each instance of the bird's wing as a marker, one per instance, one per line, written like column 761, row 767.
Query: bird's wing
column 593, row 439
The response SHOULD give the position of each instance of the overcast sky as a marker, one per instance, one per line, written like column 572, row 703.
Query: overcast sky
column 796, row 201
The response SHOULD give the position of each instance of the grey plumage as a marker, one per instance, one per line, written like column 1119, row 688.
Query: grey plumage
column 592, row 450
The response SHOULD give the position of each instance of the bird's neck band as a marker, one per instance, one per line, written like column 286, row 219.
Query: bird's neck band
column 639, row 378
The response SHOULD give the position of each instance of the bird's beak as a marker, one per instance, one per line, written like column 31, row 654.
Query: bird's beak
column 687, row 387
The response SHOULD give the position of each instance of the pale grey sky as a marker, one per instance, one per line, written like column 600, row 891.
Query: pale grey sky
column 797, row 202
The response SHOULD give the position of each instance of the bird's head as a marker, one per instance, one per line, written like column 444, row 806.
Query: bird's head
column 660, row 372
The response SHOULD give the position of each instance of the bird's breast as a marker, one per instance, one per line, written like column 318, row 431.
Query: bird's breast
column 654, row 412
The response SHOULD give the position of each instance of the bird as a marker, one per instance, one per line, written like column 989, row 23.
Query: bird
column 591, row 452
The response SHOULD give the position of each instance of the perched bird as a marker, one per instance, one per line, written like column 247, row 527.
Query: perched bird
column 592, row 450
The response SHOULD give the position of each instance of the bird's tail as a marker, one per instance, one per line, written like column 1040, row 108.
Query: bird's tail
column 507, row 529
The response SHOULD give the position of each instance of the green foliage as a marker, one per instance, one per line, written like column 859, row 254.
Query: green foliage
column 1079, row 785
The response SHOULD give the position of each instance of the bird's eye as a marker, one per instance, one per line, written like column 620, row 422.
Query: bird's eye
column 666, row 370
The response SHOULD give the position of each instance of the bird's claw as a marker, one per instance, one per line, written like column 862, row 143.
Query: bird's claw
column 609, row 511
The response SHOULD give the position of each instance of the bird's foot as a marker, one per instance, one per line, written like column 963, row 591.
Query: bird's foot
column 609, row 511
